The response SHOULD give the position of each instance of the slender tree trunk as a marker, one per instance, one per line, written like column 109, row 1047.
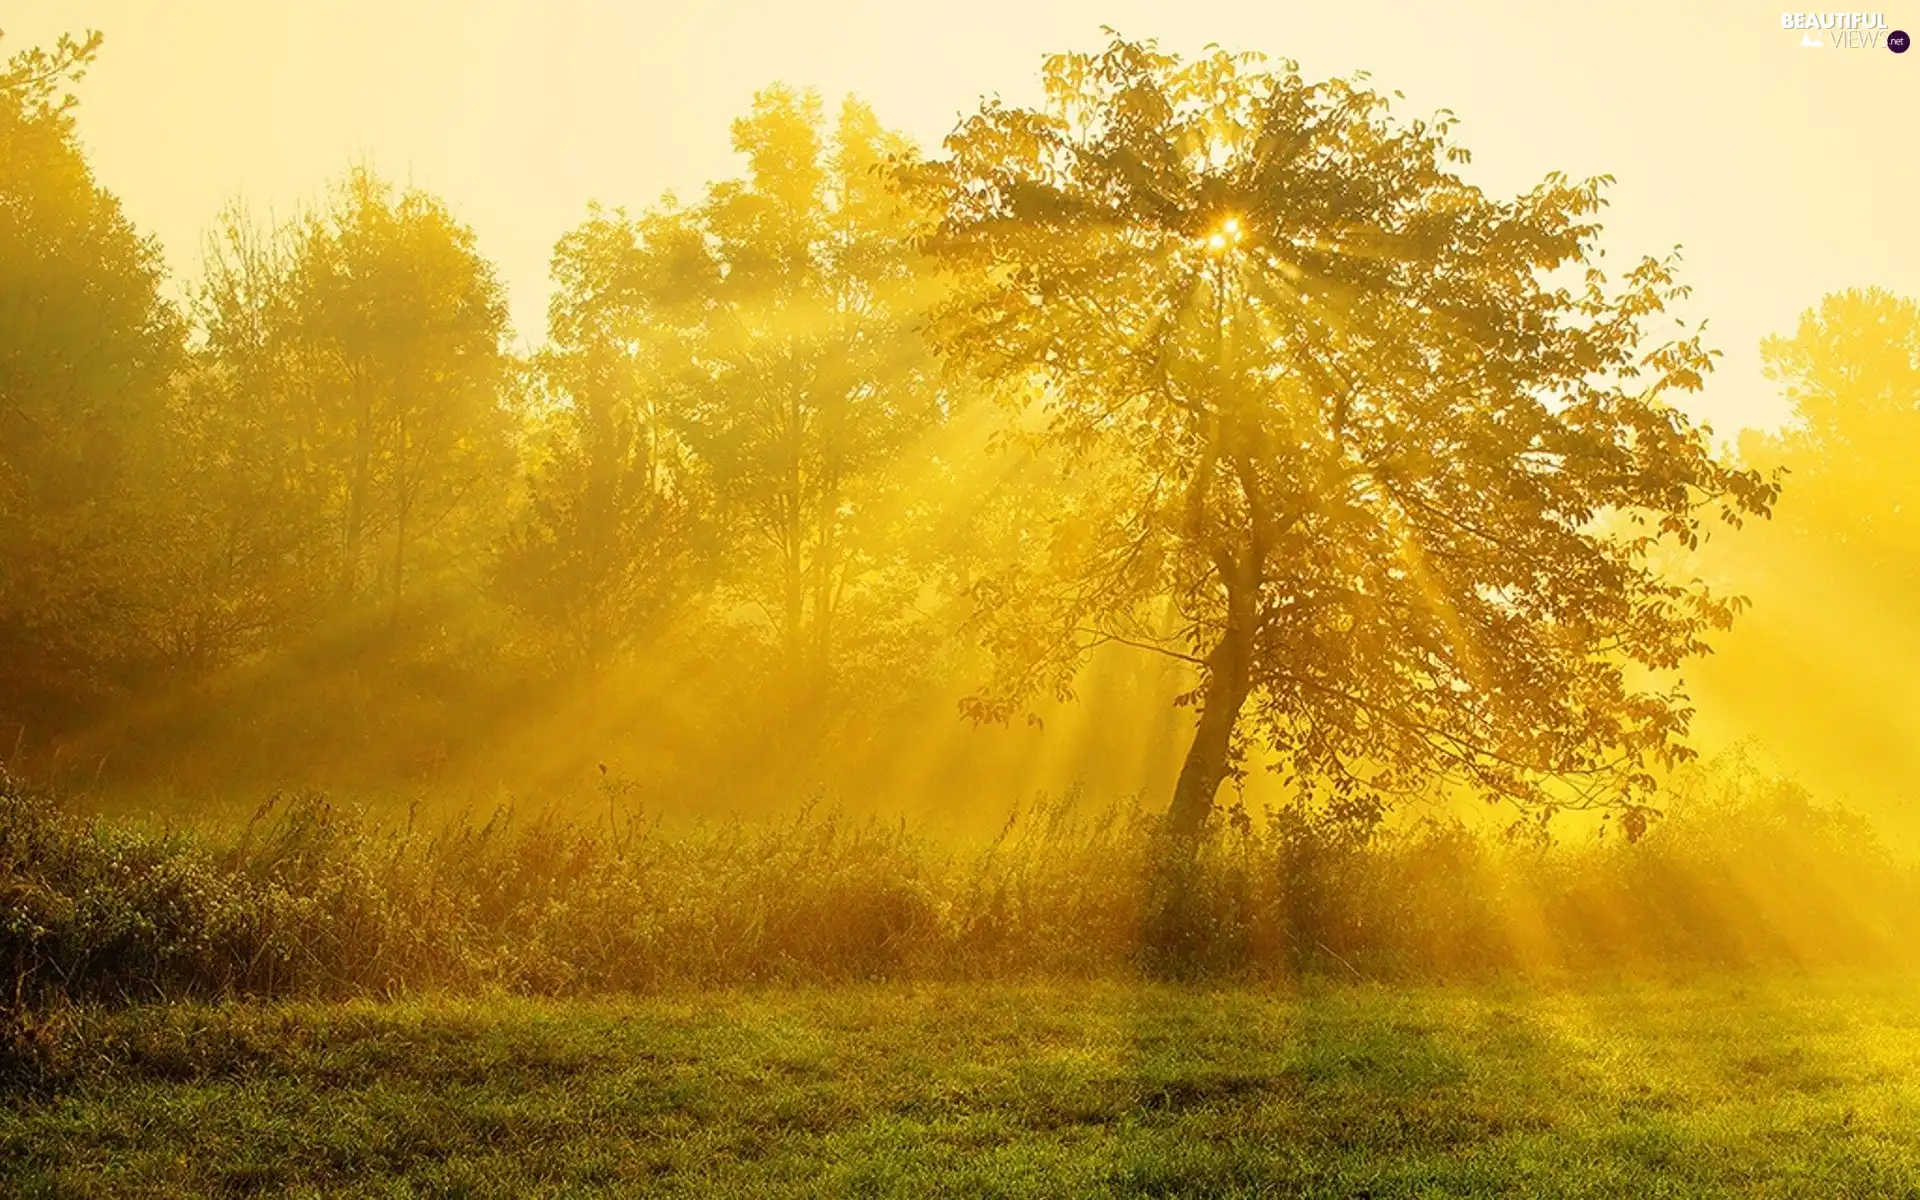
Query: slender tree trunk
column 399, row 564
column 796, row 583
column 796, row 526
column 356, row 522
column 821, row 641
column 405, row 489
column 1173, row 931
column 358, row 485
column 1229, row 666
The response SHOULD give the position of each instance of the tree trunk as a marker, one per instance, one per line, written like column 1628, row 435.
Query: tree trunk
column 796, row 587
column 399, row 564
column 358, row 486
column 1206, row 761
column 820, row 649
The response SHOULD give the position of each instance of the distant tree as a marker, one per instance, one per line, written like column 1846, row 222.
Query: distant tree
column 1401, row 488
column 87, row 345
column 347, row 418
column 242, row 503
column 1835, row 573
column 396, row 328
column 1852, row 374
column 615, row 534
column 808, row 377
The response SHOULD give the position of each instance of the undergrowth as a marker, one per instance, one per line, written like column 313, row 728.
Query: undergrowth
column 310, row 899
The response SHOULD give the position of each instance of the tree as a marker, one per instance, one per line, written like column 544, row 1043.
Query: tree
column 396, row 326
column 349, row 387
column 87, row 345
column 1399, row 492
column 616, row 530
column 243, row 502
column 808, row 375
column 1852, row 374
column 1839, row 565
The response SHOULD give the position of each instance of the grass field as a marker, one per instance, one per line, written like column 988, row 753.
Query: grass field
column 1729, row 1085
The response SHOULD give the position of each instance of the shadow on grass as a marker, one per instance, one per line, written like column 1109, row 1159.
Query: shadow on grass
column 1730, row 1086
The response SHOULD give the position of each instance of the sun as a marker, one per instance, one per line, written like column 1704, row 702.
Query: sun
column 1228, row 233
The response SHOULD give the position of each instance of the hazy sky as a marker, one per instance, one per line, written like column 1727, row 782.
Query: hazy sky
column 1784, row 171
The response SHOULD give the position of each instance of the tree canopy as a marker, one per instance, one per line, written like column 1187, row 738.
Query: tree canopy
column 1386, row 459
column 1852, row 374
column 88, row 344
column 1836, row 571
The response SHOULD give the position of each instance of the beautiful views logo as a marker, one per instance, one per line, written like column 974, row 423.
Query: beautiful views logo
column 1845, row 30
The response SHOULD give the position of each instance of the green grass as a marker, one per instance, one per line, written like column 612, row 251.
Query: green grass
column 1742, row 1085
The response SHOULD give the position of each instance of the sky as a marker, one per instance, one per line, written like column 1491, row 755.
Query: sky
column 1784, row 172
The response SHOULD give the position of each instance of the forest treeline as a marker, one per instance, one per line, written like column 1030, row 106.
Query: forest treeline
column 324, row 506
column 801, row 461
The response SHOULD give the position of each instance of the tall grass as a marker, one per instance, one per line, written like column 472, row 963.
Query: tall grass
column 310, row 899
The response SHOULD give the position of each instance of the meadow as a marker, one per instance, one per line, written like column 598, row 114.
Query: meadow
column 330, row 1002
column 1712, row 1084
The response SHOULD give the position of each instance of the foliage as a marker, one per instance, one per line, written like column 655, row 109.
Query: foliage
column 1852, row 374
column 617, row 534
column 729, row 514
column 1400, row 490
column 1837, row 569
column 806, row 383
column 399, row 325
column 244, row 504
column 87, row 348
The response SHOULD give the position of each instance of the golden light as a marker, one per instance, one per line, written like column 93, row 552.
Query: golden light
column 1227, row 233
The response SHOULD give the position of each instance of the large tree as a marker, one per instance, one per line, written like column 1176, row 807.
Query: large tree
column 1385, row 459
